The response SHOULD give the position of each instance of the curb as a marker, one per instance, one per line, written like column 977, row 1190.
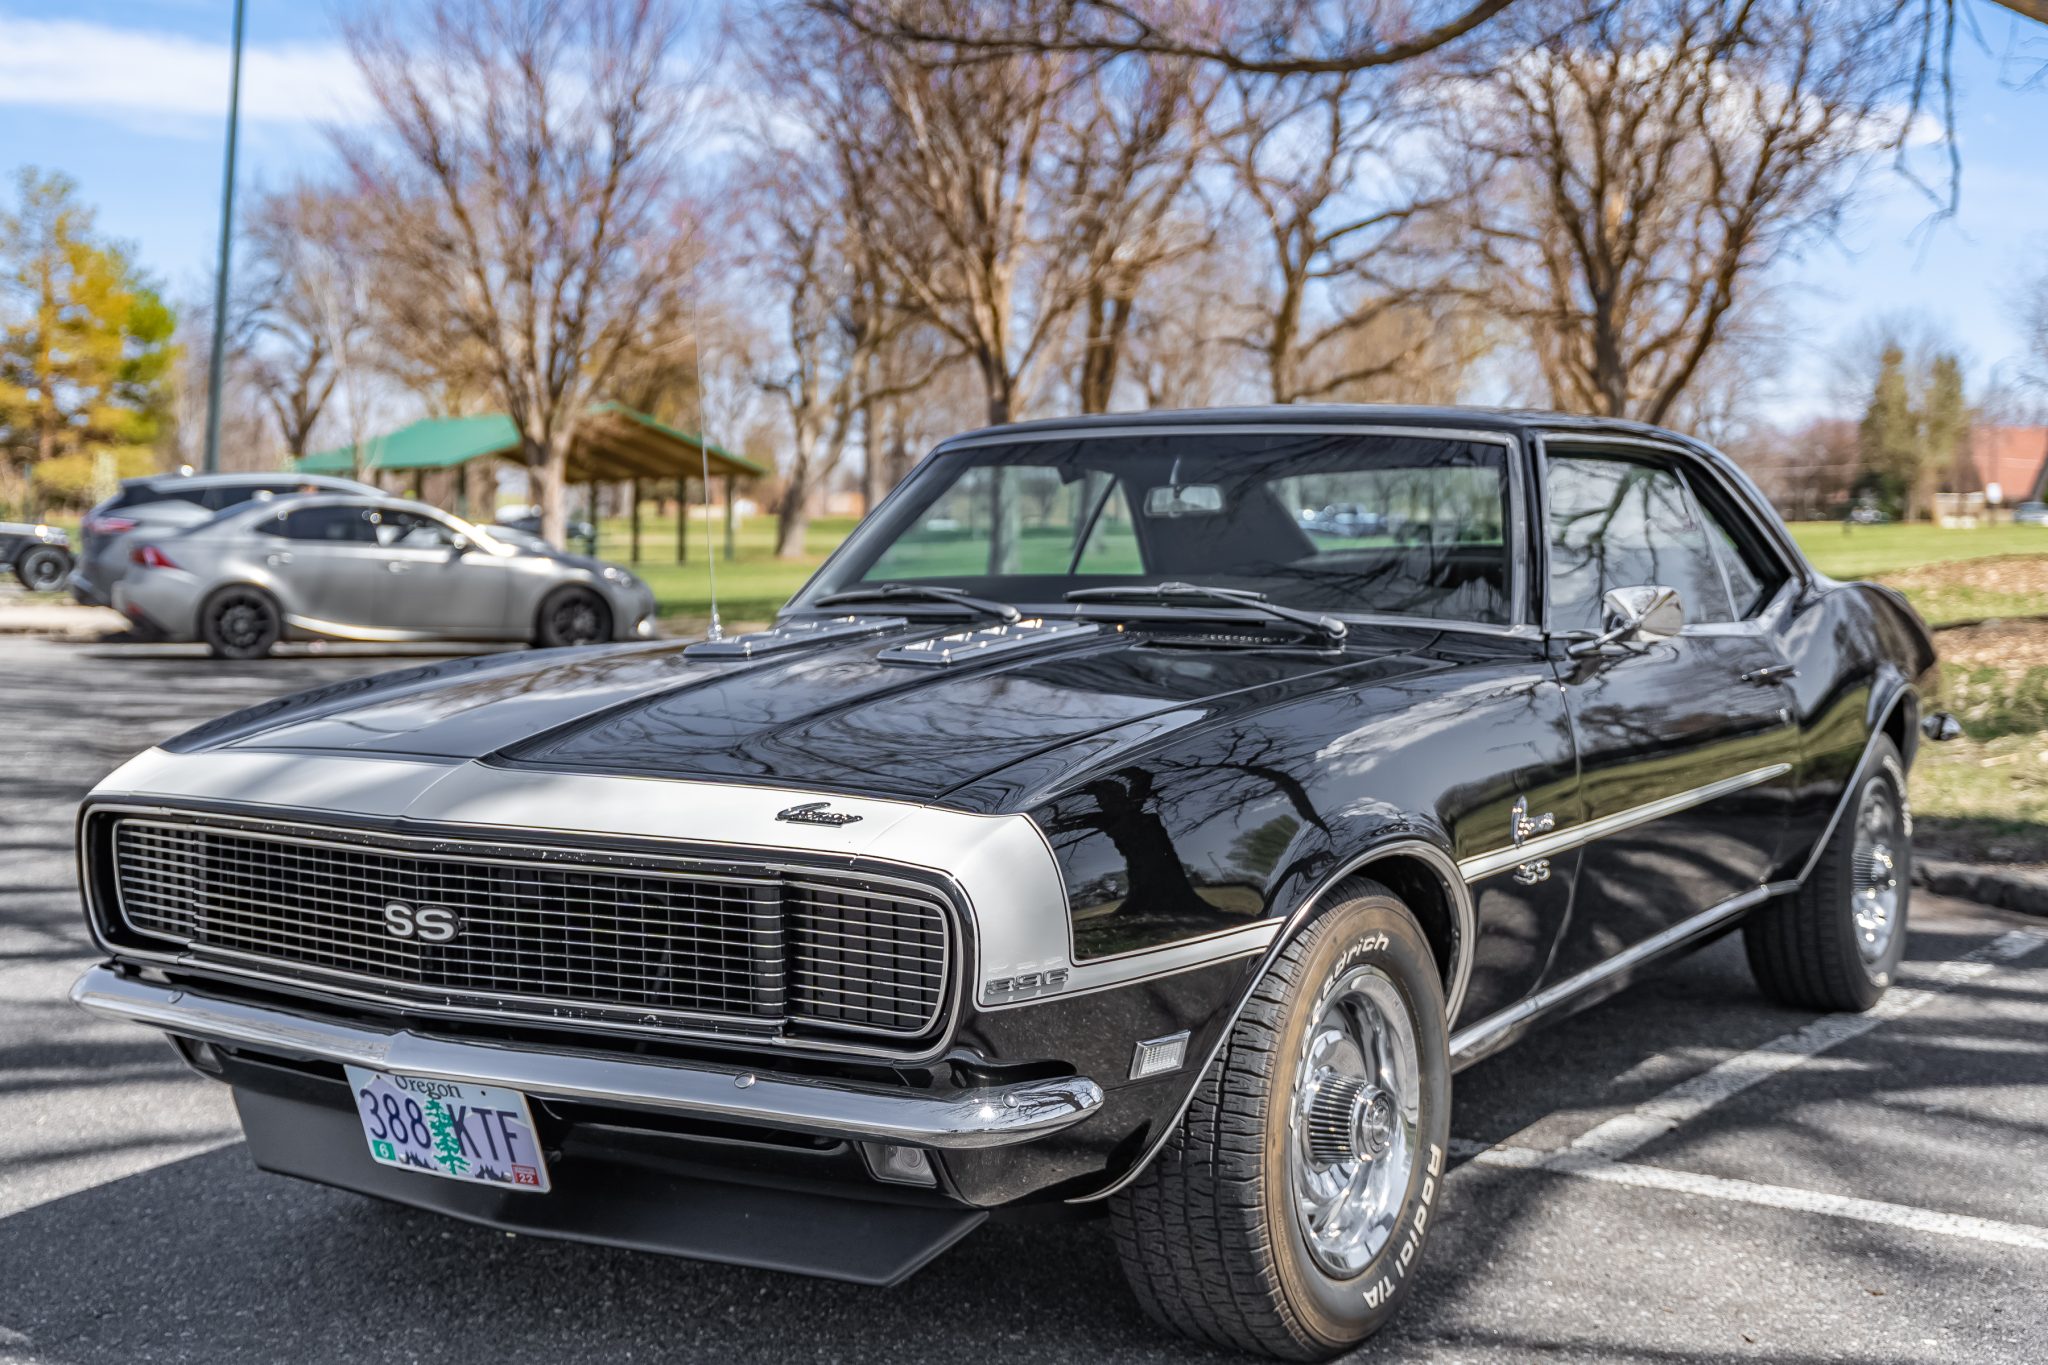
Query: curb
column 2022, row 891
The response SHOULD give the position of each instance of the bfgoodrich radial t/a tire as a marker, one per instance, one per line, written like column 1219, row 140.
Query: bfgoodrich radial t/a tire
column 1288, row 1212
column 1836, row 942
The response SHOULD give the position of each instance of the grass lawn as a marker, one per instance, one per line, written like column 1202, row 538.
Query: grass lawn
column 751, row 586
column 1841, row 550
column 1949, row 575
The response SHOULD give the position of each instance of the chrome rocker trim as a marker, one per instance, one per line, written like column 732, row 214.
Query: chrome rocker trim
column 993, row 1117
column 1474, row 1039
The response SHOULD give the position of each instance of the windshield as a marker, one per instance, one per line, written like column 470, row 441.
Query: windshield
column 1347, row 523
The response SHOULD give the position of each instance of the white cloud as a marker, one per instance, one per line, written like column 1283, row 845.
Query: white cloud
column 122, row 72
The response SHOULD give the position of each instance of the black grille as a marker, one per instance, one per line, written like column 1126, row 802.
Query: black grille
column 532, row 935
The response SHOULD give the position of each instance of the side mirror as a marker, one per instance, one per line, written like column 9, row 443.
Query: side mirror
column 1637, row 616
column 458, row 546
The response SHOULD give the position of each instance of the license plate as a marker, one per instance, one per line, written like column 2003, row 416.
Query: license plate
column 456, row 1131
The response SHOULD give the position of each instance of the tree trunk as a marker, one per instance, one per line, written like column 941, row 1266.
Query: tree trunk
column 547, row 482
column 871, row 458
column 793, row 517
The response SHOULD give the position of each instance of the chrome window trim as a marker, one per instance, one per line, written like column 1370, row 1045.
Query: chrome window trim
column 1547, row 845
column 728, row 1029
column 1779, row 541
column 1519, row 623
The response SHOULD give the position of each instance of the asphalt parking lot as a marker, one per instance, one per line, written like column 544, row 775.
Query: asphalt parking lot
column 1681, row 1174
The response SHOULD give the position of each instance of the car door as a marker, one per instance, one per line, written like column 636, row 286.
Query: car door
column 435, row 582
column 1687, row 746
column 324, row 562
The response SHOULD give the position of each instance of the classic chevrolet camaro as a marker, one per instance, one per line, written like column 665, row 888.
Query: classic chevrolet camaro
column 1106, row 826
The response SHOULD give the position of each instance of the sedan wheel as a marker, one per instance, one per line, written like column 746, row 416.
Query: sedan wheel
column 240, row 623
column 574, row 616
column 1288, row 1211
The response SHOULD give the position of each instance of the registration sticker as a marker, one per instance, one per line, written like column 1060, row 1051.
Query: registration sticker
column 445, row 1128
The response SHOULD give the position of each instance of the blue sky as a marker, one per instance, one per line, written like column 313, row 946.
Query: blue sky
column 129, row 98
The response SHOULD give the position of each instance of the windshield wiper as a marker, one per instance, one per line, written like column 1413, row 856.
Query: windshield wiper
column 928, row 592
column 1168, row 593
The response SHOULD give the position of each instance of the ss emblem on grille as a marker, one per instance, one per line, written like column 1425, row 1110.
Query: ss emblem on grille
column 427, row 923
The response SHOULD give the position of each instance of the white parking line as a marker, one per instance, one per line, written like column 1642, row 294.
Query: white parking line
column 1598, row 1153
column 1768, row 1196
column 1626, row 1133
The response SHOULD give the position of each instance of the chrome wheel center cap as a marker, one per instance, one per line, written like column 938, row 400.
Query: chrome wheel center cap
column 1375, row 1124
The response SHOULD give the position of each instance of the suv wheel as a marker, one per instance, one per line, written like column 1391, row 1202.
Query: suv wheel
column 1288, row 1211
column 240, row 623
column 43, row 569
column 1836, row 942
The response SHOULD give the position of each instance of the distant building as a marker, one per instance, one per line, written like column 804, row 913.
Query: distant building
column 2004, row 464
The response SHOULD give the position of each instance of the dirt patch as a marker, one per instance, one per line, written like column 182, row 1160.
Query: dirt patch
column 2021, row 575
column 2009, row 646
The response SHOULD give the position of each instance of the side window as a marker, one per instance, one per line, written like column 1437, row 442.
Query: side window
column 347, row 525
column 1752, row 576
column 1618, row 523
column 410, row 531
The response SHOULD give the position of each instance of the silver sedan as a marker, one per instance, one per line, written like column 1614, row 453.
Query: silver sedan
column 355, row 568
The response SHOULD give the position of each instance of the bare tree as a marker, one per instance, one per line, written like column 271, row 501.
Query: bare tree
column 1642, row 170
column 307, row 307
column 1132, row 145
column 953, row 173
column 2030, row 313
column 523, row 194
column 1313, row 160
column 1273, row 38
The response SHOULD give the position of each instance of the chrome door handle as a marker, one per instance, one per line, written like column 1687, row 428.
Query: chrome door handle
column 279, row 558
column 393, row 566
column 1771, row 673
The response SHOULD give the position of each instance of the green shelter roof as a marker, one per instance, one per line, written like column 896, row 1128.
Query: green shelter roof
column 614, row 442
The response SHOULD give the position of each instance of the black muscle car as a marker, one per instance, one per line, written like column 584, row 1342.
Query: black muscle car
column 1093, row 830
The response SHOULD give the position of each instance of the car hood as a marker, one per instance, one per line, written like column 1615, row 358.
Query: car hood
column 832, row 716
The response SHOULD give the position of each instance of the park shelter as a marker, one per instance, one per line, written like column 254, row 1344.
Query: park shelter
column 613, row 444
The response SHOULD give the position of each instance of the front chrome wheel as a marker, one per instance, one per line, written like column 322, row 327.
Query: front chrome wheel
column 1875, row 871
column 1356, row 1117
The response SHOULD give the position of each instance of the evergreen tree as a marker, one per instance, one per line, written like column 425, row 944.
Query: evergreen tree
column 85, row 339
column 1908, row 439
column 1890, row 435
column 1944, row 423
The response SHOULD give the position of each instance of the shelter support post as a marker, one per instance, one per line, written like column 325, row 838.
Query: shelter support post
column 682, row 521
column 633, row 491
column 730, row 484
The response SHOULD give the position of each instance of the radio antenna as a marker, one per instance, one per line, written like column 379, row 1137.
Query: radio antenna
column 704, row 462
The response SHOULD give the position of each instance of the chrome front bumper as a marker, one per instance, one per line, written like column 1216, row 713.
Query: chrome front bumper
column 992, row 1117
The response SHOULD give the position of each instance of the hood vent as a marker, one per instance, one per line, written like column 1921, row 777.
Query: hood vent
column 791, row 635
column 980, row 643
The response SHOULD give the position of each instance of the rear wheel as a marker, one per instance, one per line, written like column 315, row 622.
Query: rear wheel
column 240, row 623
column 1288, row 1211
column 573, row 616
column 43, row 569
column 1835, row 944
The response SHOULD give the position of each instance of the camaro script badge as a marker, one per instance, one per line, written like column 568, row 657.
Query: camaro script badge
column 816, row 813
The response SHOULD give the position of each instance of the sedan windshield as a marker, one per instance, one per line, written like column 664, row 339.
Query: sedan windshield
column 1386, row 525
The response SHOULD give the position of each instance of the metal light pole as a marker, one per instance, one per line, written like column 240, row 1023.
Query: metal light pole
column 227, row 241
